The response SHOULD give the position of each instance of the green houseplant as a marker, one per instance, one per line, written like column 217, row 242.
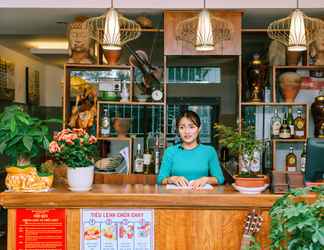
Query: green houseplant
column 76, row 149
column 22, row 138
column 248, row 150
column 297, row 223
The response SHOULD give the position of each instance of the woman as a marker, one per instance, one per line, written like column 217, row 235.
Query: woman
column 190, row 163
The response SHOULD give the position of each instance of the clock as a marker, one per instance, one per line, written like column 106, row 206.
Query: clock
column 157, row 95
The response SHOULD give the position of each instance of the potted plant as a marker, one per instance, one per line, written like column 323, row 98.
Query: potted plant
column 248, row 150
column 22, row 138
column 76, row 149
column 296, row 222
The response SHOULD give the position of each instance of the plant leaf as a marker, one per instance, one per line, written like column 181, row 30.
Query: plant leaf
column 28, row 142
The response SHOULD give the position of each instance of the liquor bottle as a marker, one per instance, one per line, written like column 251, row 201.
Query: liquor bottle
column 291, row 160
column 284, row 132
column 147, row 159
column 303, row 159
column 139, row 161
column 267, row 162
column 105, row 124
column 300, row 125
column 157, row 155
column 290, row 121
column 275, row 125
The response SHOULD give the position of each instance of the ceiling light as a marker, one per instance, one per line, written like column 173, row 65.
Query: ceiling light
column 48, row 45
column 113, row 30
column 296, row 31
column 204, row 31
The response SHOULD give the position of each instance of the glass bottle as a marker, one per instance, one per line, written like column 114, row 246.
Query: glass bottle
column 300, row 125
column 284, row 132
column 291, row 160
column 139, row 161
column 267, row 163
column 147, row 158
column 290, row 121
column 275, row 125
column 303, row 159
column 157, row 155
column 105, row 124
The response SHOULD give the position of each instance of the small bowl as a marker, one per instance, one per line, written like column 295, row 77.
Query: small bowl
column 142, row 98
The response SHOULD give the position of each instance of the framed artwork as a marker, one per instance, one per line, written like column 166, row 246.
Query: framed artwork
column 7, row 80
column 32, row 86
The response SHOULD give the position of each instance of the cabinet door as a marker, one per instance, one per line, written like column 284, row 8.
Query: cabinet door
column 174, row 47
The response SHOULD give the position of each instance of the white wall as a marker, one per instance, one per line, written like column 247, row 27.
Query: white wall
column 50, row 92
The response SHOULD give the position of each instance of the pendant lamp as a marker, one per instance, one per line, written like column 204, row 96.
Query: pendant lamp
column 113, row 30
column 204, row 31
column 296, row 31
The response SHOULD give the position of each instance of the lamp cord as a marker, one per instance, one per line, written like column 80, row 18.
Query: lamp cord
column 112, row 3
column 297, row 4
column 204, row 4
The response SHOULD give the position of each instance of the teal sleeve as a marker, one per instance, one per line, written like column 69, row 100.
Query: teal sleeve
column 165, row 169
column 215, row 168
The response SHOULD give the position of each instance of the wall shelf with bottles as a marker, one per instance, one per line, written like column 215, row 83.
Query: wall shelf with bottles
column 130, row 110
column 272, row 104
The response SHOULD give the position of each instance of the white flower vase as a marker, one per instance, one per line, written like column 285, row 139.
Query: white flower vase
column 80, row 179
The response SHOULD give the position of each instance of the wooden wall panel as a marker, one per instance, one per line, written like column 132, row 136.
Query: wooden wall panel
column 174, row 47
column 121, row 179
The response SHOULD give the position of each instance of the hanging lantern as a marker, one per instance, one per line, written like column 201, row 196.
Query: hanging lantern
column 111, row 36
column 204, row 37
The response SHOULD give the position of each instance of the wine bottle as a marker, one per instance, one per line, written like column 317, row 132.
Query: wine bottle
column 291, row 160
column 275, row 125
column 105, row 124
column 284, row 132
column 139, row 161
column 303, row 159
column 290, row 121
column 157, row 155
column 300, row 125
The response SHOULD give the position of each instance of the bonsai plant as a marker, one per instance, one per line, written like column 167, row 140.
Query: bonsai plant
column 248, row 150
column 22, row 137
column 76, row 149
column 297, row 223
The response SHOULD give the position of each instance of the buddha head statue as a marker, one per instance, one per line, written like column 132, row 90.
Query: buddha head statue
column 79, row 41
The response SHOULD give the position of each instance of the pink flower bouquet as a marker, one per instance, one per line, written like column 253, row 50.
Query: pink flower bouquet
column 74, row 148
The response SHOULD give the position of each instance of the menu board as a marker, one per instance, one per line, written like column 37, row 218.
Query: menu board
column 117, row 229
column 36, row 228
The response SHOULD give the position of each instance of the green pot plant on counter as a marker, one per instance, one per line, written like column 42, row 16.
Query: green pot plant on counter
column 22, row 138
column 297, row 222
column 76, row 149
column 248, row 150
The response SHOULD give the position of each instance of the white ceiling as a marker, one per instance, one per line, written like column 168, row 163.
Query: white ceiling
column 18, row 25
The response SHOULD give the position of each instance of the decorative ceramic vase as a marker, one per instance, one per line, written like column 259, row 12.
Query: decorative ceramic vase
column 112, row 56
column 80, row 179
column 27, row 180
column 121, row 126
column 290, row 83
column 318, row 115
column 256, row 79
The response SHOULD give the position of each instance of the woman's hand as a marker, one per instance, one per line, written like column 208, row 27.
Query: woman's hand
column 178, row 180
column 199, row 182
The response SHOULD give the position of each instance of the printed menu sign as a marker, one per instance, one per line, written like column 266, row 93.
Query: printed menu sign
column 117, row 229
column 40, row 229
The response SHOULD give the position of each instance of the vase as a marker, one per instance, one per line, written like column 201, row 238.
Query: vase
column 112, row 56
column 27, row 180
column 80, row 179
column 318, row 115
column 290, row 83
column 293, row 57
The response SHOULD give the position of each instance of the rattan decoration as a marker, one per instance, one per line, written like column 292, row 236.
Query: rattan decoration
column 128, row 30
column 279, row 29
column 187, row 30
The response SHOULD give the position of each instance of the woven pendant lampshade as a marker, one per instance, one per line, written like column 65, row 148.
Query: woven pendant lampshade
column 296, row 31
column 204, row 31
column 113, row 30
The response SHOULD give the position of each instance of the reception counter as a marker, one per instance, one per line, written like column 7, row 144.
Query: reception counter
column 183, row 219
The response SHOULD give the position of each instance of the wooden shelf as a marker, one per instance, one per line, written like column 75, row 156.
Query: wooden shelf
column 273, row 104
column 100, row 138
column 288, row 140
column 107, row 66
column 299, row 67
column 131, row 103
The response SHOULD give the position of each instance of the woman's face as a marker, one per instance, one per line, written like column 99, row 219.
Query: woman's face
column 188, row 131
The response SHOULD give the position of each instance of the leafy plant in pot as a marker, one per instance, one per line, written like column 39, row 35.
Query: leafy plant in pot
column 297, row 221
column 76, row 149
column 248, row 150
column 22, row 138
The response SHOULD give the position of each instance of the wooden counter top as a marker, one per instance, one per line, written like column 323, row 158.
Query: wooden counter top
column 138, row 195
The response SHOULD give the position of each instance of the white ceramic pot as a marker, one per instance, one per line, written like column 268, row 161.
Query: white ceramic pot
column 80, row 179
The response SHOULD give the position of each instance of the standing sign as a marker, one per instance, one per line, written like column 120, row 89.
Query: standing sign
column 40, row 229
column 117, row 229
